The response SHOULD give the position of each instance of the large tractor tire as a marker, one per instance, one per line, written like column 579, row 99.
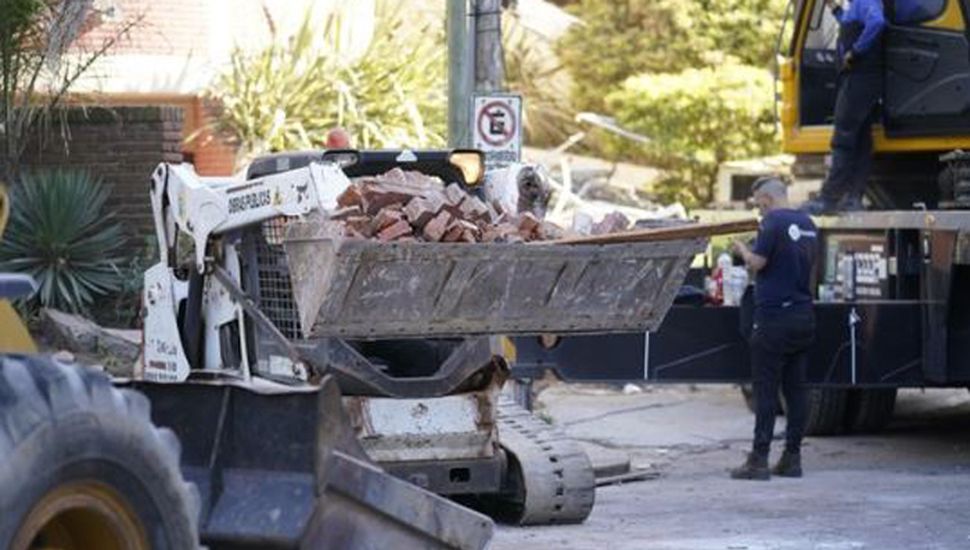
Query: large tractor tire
column 83, row 467
column 826, row 411
column 869, row 410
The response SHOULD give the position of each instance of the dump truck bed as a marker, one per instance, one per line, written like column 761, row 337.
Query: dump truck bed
column 368, row 289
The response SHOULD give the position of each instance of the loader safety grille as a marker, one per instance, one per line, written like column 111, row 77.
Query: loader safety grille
column 275, row 293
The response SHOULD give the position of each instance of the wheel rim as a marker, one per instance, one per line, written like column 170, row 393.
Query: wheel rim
column 80, row 516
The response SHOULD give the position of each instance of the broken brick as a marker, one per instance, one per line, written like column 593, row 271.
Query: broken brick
column 422, row 209
column 350, row 197
column 383, row 195
column 549, row 231
column 453, row 234
column 394, row 231
column 435, row 229
column 474, row 209
column 454, row 194
column 385, row 218
column 611, row 223
column 346, row 212
column 361, row 225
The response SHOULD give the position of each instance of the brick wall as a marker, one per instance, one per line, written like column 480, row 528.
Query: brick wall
column 121, row 145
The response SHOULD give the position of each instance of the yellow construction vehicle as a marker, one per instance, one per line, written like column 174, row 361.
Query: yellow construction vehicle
column 14, row 337
column 926, row 103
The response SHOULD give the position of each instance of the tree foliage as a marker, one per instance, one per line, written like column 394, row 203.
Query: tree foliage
column 622, row 38
column 697, row 119
column 39, row 63
column 288, row 95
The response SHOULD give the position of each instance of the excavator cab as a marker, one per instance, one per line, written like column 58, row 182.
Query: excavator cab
column 926, row 100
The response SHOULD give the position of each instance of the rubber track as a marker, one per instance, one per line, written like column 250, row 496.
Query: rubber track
column 560, row 485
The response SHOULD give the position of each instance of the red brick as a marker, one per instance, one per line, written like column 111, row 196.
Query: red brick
column 473, row 209
column 454, row 194
column 453, row 234
column 422, row 209
column 350, row 197
column 611, row 223
column 435, row 229
column 386, row 218
column 395, row 231
column 346, row 212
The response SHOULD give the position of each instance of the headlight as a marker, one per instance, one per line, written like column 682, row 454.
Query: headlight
column 342, row 158
column 471, row 163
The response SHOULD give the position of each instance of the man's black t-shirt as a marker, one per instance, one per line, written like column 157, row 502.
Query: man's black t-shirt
column 788, row 239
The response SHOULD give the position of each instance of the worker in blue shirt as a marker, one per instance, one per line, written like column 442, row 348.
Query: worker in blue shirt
column 784, row 325
column 860, row 55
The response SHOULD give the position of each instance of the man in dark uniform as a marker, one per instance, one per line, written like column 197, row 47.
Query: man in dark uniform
column 860, row 85
column 784, row 325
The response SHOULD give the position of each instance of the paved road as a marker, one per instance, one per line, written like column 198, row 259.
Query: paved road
column 905, row 488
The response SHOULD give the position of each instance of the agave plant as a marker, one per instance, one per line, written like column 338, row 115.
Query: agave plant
column 61, row 234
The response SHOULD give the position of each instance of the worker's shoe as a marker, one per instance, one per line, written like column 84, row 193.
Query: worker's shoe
column 789, row 465
column 819, row 207
column 755, row 467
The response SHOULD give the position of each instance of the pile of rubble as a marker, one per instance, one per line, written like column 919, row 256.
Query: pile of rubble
column 409, row 206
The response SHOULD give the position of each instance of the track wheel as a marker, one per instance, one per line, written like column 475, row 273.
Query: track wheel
column 83, row 467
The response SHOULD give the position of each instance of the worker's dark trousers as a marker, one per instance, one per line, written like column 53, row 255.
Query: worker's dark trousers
column 779, row 352
column 855, row 110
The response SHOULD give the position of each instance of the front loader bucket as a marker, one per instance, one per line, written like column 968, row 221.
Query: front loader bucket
column 368, row 289
column 272, row 474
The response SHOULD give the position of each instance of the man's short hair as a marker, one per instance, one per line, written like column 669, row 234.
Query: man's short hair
column 770, row 185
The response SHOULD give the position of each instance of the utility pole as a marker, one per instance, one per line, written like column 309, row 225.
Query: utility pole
column 489, row 62
column 475, row 60
column 461, row 63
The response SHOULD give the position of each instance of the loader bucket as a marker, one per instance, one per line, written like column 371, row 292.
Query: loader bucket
column 367, row 289
column 273, row 474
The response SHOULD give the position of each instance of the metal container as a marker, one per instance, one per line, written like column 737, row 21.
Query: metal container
column 369, row 289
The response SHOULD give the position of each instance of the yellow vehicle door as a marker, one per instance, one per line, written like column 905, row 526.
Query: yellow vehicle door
column 927, row 69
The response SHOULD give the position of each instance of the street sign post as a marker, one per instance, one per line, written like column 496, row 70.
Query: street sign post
column 497, row 120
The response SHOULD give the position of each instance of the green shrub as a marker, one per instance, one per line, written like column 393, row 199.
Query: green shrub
column 532, row 70
column 697, row 119
column 623, row 38
column 289, row 95
column 123, row 307
column 61, row 234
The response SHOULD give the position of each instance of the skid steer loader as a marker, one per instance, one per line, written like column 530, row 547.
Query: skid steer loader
column 255, row 299
column 84, row 467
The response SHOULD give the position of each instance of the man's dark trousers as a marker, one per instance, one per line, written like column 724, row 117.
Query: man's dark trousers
column 779, row 354
column 855, row 110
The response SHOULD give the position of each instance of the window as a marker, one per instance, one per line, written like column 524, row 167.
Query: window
column 913, row 12
column 823, row 29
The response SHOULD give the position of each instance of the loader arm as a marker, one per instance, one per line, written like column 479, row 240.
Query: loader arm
column 204, row 207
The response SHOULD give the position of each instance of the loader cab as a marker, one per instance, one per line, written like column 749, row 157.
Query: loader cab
column 926, row 105
column 464, row 166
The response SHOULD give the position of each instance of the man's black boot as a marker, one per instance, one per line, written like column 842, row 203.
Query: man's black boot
column 755, row 467
column 789, row 465
column 819, row 207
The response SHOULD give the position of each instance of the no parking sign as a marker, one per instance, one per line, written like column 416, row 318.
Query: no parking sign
column 498, row 128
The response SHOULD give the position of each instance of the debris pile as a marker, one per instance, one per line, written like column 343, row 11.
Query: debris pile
column 409, row 206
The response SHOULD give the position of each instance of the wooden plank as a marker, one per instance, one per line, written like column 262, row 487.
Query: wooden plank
column 685, row 231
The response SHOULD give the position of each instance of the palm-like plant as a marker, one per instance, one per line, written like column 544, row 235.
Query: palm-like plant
column 60, row 233
column 289, row 94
